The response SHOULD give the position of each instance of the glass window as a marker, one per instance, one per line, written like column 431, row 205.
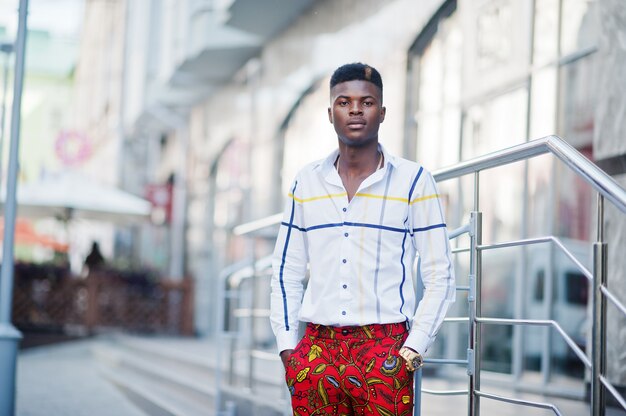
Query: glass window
column 574, row 203
column 309, row 136
column 495, row 124
column 576, row 288
column 499, row 300
column 543, row 103
column 513, row 87
column 439, row 87
column 546, row 38
column 579, row 25
column 539, row 284
column 494, row 37
column 578, row 92
column 540, row 196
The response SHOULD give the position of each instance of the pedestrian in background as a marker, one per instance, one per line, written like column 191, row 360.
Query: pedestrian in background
column 357, row 219
column 95, row 259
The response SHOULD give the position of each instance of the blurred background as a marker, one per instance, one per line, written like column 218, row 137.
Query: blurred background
column 159, row 138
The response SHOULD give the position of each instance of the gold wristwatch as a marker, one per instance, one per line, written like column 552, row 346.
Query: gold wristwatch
column 414, row 359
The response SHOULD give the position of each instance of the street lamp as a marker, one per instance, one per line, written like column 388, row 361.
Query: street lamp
column 9, row 335
column 7, row 49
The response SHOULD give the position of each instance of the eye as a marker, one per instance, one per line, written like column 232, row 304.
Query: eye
column 343, row 103
column 368, row 103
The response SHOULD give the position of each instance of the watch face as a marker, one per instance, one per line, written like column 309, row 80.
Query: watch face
column 417, row 363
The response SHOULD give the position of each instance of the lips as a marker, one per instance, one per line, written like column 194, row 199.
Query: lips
column 356, row 123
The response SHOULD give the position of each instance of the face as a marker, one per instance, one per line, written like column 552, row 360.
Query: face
column 356, row 111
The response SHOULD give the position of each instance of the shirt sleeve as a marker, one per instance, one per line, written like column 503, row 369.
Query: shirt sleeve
column 430, row 238
column 289, row 265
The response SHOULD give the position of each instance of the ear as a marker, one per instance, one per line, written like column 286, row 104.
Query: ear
column 330, row 116
column 383, row 111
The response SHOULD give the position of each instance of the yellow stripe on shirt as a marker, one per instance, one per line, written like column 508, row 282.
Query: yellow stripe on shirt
column 390, row 198
column 315, row 198
column 343, row 194
column 424, row 198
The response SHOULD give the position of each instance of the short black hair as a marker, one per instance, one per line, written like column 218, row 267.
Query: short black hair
column 356, row 72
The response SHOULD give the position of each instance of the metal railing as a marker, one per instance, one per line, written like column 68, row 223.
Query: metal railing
column 607, row 190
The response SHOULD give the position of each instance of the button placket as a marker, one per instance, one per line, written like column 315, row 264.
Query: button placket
column 344, row 257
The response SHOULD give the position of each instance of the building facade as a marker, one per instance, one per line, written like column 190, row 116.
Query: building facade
column 225, row 100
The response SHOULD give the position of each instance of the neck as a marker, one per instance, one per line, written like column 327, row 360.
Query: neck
column 357, row 161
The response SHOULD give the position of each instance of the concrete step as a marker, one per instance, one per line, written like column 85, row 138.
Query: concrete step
column 158, row 387
column 157, row 397
column 167, row 376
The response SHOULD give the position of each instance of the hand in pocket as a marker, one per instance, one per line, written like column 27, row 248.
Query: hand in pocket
column 284, row 356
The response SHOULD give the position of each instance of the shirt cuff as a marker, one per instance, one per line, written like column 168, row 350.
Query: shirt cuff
column 418, row 341
column 287, row 340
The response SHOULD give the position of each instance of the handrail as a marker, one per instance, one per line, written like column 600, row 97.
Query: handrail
column 257, row 225
column 538, row 240
column 529, row 403
column 591, row 173
column 606, row 187
column 613, row 391
column 445, row 392
column 541, row 322
column 613, row 299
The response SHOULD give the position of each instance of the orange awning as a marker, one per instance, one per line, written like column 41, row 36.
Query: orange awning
column 26, row 235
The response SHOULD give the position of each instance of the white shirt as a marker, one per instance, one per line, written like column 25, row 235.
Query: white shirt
column 361, row 253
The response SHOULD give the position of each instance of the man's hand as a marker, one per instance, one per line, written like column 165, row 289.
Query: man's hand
column 284, row 356
column 413, row 358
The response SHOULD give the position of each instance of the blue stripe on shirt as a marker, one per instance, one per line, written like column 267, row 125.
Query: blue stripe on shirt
column 403, row 277
column 358, row 224
column 430, row 227
column 282, row 264
column 341, row 224
column 419, row 173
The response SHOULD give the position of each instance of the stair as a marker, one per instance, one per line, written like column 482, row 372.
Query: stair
column 173, row 376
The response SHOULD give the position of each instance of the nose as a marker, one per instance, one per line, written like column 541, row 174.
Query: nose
column 355, row 108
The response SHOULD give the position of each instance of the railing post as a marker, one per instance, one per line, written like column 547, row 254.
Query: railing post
column 598, row 352
column 252, row 319
column 417, row 388
column 474, row 311
column 93, row 308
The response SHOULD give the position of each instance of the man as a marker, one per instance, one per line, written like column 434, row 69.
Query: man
column 357, row 219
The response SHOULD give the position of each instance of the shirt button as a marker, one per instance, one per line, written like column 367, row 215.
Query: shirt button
column 345, row 234
column 345, row 209
column 344, row 261
column 343, row 312
column 344, row 331
column 345, row 286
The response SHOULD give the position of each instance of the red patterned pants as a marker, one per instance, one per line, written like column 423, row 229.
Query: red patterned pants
column 350, row 371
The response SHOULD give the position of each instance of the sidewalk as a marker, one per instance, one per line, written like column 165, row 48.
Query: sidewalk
column 63, row 379
column 67, row 379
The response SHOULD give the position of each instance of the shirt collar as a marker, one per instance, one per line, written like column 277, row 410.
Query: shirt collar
column 328, row 164
column 388, row 156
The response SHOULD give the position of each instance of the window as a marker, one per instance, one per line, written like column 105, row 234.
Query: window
column 576, row 288
column 434, row 110
column 539, row 285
